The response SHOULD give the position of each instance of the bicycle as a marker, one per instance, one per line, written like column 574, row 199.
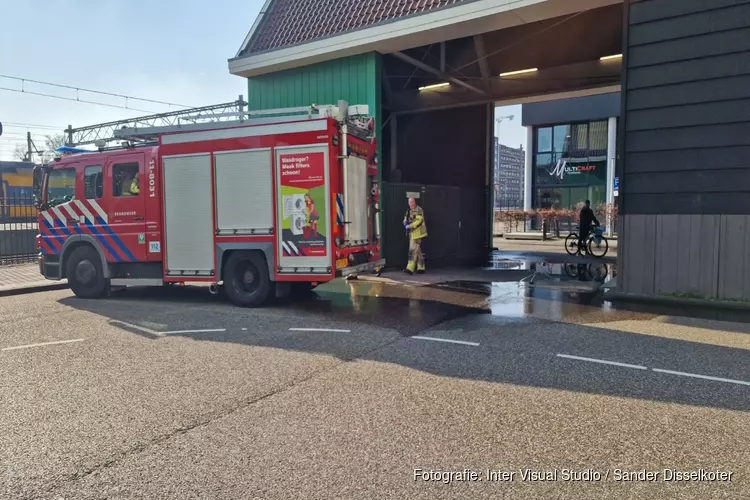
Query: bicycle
column 596, row 241
column 589, row 272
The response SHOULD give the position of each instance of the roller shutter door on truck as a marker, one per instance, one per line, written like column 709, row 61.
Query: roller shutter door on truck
column 188, row 214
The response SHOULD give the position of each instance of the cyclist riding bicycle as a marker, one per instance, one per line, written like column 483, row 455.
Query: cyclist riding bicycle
column 587, row 218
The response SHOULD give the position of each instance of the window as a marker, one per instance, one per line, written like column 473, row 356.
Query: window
column 578, row 143
column 544, row 140
column 61, row 186
column 561, row 138
column 543, row 165
column 93, row 182
column 125, row 179
column 598, row 138
column 572, row 154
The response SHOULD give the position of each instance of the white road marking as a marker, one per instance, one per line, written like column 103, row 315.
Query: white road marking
column 244, row 329
column 449, row 341
column 179, row 332
column 602, row 361
column 41, row 345
column 705, row 377
column 135, row 327
column 161, row 334
column 333, row 330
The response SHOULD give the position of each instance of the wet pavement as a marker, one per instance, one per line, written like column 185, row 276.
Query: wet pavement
column 175, row 393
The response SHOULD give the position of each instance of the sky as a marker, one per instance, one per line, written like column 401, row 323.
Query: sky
column 169, row 50
column 509, row 131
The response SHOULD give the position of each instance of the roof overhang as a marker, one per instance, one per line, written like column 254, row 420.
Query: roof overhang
column 466, row 19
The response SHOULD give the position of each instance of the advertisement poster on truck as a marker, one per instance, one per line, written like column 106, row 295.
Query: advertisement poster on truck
column 303, row 200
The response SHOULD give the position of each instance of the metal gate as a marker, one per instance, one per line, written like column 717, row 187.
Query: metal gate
column 457, row 224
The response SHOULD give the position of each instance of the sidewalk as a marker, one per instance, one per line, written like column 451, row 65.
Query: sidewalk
column 549, row 246
column 25, row 278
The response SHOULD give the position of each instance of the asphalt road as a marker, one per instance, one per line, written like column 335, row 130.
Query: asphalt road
column 179, row 395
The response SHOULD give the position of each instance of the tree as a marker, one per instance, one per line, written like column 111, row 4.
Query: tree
column 19, row 152
column 51, row 143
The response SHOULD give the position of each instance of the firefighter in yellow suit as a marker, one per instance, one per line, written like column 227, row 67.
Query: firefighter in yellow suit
column 134, row 186
column 417, row 228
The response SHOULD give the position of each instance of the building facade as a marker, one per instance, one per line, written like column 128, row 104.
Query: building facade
column 686, row 149
column 573, row 151
column 508, row 174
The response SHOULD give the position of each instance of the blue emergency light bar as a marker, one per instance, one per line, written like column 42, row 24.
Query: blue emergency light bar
column 70, row 150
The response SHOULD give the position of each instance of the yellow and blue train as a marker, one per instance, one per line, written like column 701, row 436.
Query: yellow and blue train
column 16, row 191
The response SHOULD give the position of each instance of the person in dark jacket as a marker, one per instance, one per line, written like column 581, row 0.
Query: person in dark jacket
column 587, row 218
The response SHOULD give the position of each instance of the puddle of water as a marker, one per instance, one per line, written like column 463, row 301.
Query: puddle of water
column 465, row 286
column 587, row 270
column 552, row 298
column 514, row 300
column 406, row 309
column 500, row 264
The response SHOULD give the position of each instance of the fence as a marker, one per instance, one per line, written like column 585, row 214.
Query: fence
column 18, row 230
column 508, row 204
column 553, row 222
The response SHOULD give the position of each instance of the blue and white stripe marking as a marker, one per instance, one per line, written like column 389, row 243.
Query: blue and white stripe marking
column 97, row 223
column 340, row 209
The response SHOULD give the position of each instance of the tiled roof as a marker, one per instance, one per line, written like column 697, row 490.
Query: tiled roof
column 289, row 22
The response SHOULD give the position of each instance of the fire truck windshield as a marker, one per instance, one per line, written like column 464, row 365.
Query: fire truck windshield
column 61, row 186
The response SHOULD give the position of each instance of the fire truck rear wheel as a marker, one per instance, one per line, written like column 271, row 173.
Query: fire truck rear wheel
column 84, row 273
column 246, row 279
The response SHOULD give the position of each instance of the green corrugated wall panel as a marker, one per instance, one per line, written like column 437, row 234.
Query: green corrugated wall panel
column 353, row 78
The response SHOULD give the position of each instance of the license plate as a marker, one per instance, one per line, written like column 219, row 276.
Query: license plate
column 341, row 263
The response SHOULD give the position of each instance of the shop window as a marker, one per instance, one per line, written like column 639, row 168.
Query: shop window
column 125, row 179
column 93, row 182
column 561, row 138
column 579, row 138
column 542, row 167
column 544, row 140
column 549, row 198
column 598, row 138
column 578, row 195
column 598, row 196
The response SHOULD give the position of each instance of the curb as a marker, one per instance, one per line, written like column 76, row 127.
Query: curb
column 675, row 301
column 22, row 290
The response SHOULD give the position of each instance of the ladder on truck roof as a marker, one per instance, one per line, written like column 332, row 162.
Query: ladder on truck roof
column 149, row 128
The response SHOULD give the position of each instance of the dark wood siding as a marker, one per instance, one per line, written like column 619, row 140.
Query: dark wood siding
column 687, row 107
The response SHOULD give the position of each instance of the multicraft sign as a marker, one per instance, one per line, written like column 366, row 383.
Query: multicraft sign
column 562, row 168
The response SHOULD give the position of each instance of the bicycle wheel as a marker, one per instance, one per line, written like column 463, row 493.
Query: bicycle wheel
column 599, row 249
column 597, row 272
column 571, row 270
column 571, row 244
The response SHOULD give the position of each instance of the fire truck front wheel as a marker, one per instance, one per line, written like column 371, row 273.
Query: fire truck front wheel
column 246, row 279
column 84, row 273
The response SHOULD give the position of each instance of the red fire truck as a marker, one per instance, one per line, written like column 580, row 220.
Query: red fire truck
column 253, row 207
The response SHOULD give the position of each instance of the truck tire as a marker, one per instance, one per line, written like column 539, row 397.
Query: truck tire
column 84, row 273
column 246, row 279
